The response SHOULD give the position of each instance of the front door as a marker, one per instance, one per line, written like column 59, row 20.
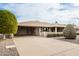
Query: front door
column 30, row 30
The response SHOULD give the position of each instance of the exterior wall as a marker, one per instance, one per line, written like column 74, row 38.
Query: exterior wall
column 37, row 33
column 44, row 30
column 40, row 31
column 30, row 30
column 21, row 31
column 26, row 31
column 53, row 30
column 60, row 29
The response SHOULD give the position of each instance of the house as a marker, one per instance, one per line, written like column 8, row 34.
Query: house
column 38, row 28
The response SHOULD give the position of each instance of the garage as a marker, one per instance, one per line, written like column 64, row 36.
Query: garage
column 22, row 30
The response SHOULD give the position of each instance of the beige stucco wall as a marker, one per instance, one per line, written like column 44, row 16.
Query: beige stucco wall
column 37, row 31
column 44, row 34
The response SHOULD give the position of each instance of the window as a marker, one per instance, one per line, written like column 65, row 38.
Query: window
column 60, row 29
column 45, row 29
column 53, row 29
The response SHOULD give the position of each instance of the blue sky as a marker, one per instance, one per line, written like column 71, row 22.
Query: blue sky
column 64, row 13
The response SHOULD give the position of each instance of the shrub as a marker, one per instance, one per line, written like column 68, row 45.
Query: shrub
column 54, row 35
column 51, row 35
column 69, row 32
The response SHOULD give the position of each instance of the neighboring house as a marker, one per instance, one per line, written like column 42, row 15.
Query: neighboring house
column 37, row 28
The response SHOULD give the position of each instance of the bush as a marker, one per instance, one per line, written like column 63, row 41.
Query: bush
column 69, row 32
column 54, row 35
column 8, row 22
column 51, row 35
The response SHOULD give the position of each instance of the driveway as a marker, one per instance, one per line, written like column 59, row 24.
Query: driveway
column 42, row 46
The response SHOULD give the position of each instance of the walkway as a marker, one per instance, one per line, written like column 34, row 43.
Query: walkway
column 42, row 46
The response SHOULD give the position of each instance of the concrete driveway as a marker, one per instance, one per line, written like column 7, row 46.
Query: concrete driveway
column 42, row 46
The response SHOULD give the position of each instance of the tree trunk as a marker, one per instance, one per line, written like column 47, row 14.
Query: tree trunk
column 4, row 37
column 12, row 36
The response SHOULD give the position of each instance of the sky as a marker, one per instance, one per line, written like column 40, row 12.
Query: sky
column 63, row 13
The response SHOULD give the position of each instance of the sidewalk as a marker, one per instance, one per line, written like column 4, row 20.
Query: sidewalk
column 42, row 46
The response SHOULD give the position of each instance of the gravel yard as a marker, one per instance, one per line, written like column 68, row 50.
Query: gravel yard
column 7, row 51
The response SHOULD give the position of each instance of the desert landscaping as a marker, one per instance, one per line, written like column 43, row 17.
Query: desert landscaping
column 6, row 49
column 28, row 32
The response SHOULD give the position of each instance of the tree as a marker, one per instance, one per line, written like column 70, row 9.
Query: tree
column 69, row 32
column 8, row 22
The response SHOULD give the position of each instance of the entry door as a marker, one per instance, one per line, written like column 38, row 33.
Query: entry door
column 30, row 31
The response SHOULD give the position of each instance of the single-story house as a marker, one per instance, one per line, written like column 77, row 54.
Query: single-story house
column 38, row 28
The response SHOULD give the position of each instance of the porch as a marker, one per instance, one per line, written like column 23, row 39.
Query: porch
column 38, row 31
column 51, row 30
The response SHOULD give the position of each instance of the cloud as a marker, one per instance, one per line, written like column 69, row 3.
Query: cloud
column 63, row 12
column 36, row 11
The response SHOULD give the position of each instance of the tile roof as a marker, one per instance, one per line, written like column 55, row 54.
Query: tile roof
column 42, row 24
column 35, row 24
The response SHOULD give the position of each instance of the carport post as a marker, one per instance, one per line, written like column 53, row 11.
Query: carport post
column 55, row 30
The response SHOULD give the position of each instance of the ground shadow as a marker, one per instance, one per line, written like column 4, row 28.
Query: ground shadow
column 76, row 41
